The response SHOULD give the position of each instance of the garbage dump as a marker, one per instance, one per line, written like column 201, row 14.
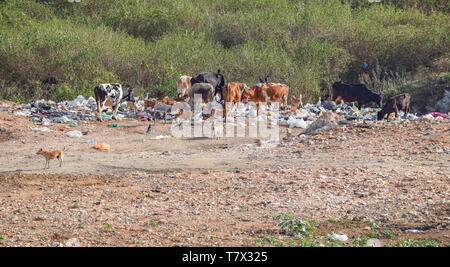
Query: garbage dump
column 70, row 113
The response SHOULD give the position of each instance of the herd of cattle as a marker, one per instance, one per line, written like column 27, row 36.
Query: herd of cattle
column 213, row 87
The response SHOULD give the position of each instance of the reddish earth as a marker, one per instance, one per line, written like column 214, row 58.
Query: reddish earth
column 220, row 192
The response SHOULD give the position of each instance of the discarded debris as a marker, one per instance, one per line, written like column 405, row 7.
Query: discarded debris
column 102, row 147
column 74, row 134
column 42, row 129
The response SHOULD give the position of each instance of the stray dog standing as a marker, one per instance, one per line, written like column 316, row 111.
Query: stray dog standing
column 48, row 155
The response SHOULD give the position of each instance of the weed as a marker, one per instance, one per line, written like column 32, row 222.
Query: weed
column 413, row 243
column 296, row 227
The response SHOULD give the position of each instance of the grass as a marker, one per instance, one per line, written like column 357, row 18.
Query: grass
column 149, row 44
column 296, row 232
column 413, row 243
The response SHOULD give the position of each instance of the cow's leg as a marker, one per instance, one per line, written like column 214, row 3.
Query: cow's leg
column 406, row 111
column 99, row 110
column 102, row 106
column 115, row 109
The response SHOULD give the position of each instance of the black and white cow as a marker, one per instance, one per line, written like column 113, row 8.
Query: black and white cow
column 108, row 91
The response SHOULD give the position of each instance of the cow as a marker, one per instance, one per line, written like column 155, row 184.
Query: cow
column 394, row 104
column 354, row 92
column 206, row 90
column 232, row 93
column 216, row 79
column 160, row 110
column 267, row 92
column 183, row 83
column 128, row 97
column 108, row 91
column 297, row 102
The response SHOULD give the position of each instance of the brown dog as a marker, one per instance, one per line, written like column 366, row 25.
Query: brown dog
column 48, row 155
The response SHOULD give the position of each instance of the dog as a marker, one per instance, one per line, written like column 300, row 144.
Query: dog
column 48, row 155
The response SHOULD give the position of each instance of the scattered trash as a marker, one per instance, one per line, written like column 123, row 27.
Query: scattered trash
column 159, row 137
column 298, row 123
column 102, row 147
column 42, row 129
column 90, row 141
column 428, row 117
column 45, row 122
column 411, row 231
column 74, row 134
column 437, row 114
column 313, row 118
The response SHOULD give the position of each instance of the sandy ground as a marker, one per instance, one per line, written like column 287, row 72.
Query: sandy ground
column 219, row 192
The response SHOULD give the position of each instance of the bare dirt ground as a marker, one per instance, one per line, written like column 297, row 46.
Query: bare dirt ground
column 224, row 192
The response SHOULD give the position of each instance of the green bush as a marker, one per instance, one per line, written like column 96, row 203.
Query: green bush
column 149, row 44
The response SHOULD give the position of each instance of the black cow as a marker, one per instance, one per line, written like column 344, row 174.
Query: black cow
column 216, row 79
column 354, row 92
column 394, row 104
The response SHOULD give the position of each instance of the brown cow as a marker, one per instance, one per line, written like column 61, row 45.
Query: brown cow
column 206, row 90
column 183, row 83
column 267, row 92
column 296, row 102
column 232, row 93
column 394, row 104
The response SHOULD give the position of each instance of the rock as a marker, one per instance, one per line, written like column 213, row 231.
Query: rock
column 443, row 105
column 73, row 242
column 330, row 105
column 373, row 242
column 337, row 237
column 323, row 123
column 42, row 129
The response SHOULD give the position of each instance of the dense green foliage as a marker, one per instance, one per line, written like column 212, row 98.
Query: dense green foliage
column 148, row 44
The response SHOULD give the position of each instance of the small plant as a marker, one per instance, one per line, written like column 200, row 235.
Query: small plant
column 360, row 241
column 153, row 222
column 296, row 227
column 413, row 243
column 388, row 233
column 108, row 227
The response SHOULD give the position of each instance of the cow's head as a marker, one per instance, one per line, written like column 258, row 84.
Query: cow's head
column 377, row 99
column 380, row 115
column 248, row 94
column 221, row 79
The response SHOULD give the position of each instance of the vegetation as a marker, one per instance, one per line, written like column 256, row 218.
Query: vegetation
column 58, row 49
column 294, row 232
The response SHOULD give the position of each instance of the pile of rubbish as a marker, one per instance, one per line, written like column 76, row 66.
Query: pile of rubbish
column 46, row 112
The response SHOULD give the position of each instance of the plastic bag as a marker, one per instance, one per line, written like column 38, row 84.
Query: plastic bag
column 74, row 134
